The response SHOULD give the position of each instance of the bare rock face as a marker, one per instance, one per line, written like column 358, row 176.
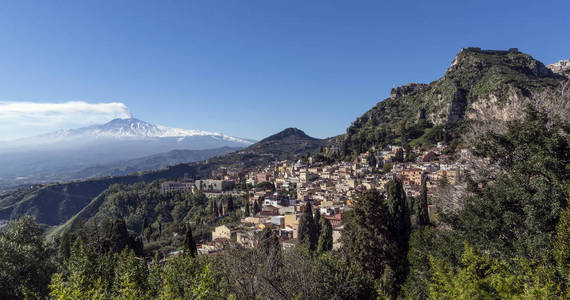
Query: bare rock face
column 562, row 67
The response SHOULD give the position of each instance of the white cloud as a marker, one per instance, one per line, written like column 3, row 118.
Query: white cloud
column 23, row 119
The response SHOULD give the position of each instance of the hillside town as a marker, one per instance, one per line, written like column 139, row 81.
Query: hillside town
column 278, row 193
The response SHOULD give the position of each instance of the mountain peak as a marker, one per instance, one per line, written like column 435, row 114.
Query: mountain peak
column 474, row 60
column 290, row 132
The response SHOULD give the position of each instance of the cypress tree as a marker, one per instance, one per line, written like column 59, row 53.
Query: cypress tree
column 221, row 209
column 307, row 229
column 317, row 219
column 399, row 226
column 399, row 213
column 256, row 208
column 376, row 235
column 189, row 243
column 325, row 238
column 119, row 236
column 230, row 204
column 421, row 203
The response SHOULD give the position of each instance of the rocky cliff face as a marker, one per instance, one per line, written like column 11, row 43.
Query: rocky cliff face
column 476, row 80
column 562, row 67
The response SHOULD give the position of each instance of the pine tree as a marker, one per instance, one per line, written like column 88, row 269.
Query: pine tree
column 325, row 238
column 421, row 209
column 307, row 229
column 189, row 243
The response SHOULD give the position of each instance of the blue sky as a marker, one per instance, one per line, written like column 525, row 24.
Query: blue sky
column 247, row 68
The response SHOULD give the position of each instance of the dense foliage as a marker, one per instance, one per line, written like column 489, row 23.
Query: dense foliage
column 25, row 260
column 376, row 235
column 516, row 214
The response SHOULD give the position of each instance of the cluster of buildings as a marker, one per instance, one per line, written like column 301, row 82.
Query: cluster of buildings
column 210, row 187
column 283, row 189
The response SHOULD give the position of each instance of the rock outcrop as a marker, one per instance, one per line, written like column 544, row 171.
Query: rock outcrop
column 562, row 67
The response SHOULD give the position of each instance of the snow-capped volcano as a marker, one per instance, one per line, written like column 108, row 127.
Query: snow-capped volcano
column 66, row 151
column 134, row 129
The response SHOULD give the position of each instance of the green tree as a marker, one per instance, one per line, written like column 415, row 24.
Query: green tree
column 372, row 160
column 562, row 244
column 65, row 245
column 25, row 265
column 317, row 219
column 516, row 215
column 256, row 208
column 307, row 229
column 422, row 244
column 325, row 238
column 376, row 235
column 119, row 237
column 189, row 243
column 421, row 209
column 230, row 204
column 483, row 277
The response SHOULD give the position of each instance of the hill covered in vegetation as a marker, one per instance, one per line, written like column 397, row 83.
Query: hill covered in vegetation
column 428, row 113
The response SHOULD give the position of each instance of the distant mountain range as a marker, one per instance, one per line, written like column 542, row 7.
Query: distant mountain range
column 55, row 204
column 150, row 163
column 92, row 151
